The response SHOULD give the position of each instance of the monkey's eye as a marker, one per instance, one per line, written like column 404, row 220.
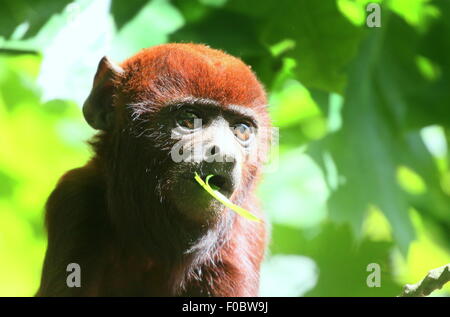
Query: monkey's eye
column 187, row 120
column 243, row 132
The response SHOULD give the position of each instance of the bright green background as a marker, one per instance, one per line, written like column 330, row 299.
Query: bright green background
column 363, row 171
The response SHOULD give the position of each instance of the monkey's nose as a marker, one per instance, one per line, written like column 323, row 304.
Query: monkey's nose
column 215, row 154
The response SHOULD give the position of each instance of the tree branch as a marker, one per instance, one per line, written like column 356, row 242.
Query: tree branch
column 434, row 280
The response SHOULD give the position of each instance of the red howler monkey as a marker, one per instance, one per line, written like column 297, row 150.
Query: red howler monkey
column 133, row 218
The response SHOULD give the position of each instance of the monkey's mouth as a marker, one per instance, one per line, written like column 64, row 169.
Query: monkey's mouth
column 192, row 200
column 220, row 183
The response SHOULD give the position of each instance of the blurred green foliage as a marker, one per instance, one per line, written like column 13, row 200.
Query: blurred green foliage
column 362, row 174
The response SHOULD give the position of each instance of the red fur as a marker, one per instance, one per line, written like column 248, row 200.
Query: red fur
column 172, row 71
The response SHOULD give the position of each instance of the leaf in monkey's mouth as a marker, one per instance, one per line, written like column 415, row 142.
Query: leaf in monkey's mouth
column 224, row 200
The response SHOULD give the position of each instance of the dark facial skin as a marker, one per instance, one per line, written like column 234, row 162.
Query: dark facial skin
column 208, row 140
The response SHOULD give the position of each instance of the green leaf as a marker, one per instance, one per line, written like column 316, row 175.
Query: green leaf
column 325, row 41
column 367, row 149
column 34, row 13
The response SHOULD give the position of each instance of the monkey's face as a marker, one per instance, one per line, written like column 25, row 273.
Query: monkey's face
column 206, row 138
column 168, row 113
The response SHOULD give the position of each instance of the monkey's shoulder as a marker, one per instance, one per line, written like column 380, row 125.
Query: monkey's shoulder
column 79, row 195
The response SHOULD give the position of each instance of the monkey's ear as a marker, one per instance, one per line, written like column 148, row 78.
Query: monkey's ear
column 98, row 109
